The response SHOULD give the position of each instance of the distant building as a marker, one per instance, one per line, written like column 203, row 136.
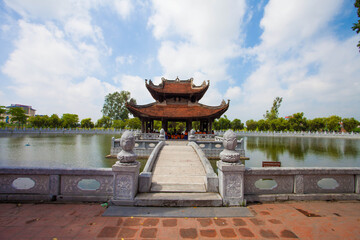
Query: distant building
column 29, row 111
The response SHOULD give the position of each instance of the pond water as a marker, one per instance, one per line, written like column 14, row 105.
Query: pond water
column 89, row 151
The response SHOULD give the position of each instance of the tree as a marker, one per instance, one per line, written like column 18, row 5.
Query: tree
column 104, row 122
column 350, row 124
column 196, row 125
column 54, row 121
column 2, row 111
column 251, row 125
column 87, row 123
column 356, row 26
column 39, row 121
column 216, row 125
column 274, row 112
column 298, row 122
column 119, row 124
column 279, row 124
column 70, row 120
column 236, row 124
column 114, row 106
column 224, row 123
column 263, row 125
column 17, row 115
column 333, row 123
column 133, row 123
column 316, row 124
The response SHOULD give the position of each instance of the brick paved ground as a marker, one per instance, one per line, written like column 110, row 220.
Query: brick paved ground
column 290, row 220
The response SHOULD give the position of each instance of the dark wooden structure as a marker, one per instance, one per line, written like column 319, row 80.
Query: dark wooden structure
column 177, row 101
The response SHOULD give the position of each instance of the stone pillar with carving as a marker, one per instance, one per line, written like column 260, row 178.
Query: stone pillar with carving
column 126, row 172
column 192, row 135
column 231, row 172
column 162, row 135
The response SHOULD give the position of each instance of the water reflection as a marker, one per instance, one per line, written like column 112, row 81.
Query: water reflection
column 305, row 149
column 89, row 151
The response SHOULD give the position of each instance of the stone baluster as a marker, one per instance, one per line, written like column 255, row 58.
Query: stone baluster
column 126, row 172
column 231, row 172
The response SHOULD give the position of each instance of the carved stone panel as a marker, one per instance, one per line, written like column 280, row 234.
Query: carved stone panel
column 123, row 186
column 41, row 185
column 69, row 185
column 284, row 184
column 345, row 184
column 233, row 187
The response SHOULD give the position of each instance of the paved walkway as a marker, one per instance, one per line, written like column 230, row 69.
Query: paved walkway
column 178, row 169
column 290, row 220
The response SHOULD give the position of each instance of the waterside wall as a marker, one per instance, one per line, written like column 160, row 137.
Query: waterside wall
column 96, row 185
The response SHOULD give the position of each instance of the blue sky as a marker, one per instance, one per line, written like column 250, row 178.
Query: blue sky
column 66, row 56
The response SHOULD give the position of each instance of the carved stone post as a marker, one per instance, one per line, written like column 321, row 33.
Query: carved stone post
column 126, row 172
column 231, row 172
column 162, row 135
column 192, row 135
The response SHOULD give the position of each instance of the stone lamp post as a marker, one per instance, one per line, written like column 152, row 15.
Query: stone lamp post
column 126, row 172
column 231, row 172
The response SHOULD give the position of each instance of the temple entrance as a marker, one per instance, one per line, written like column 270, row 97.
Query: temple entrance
column 177, row 107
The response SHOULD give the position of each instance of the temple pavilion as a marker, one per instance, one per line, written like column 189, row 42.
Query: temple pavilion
column 177, row 101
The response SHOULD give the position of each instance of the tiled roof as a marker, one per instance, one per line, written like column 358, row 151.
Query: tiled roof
column 171, row 88
column 177, row 111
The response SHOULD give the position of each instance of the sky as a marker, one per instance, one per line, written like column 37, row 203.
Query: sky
column 66, row 56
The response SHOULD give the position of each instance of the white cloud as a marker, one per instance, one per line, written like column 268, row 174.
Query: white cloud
column 233, row 93
column 120, row 60
column 302, row 60
column 123, row 7
column 55, row 77
column 209, row 34
column 136, row 86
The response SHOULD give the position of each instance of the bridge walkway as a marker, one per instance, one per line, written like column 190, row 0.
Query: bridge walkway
column 178, row 179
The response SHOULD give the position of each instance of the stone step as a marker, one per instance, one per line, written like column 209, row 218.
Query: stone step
column 178, row 179
column 179, row 199
column 176, row 187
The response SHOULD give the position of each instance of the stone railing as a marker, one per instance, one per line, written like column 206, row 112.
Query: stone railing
column 212, row 149
column 325, row 134
column 61, row 131
column 260, row 184
column 272, row 184
column 143, row 148
column 145, row 176
column 212, row 180
column 60, row 184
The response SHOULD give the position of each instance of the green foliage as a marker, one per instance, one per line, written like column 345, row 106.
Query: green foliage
column 316, row 124
column 70, row 120
column 39, row 121
column 263, row 125
column 114, row 106
column 279, row 124
column 350, row 124
column 54, row 121
column 224, row 123
column 157, row 125
column 119, row 124
column 356, row 26
column 17, row 115
column 236, row 124
column 104, row 122
column 133, row 123
column 87, row 123
column 274, row 112
column 196, row 125
column 2, row 111
column 298, row 122
column 333, row 123
column 251, row 125
column 216, row 125
column 177, row 127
